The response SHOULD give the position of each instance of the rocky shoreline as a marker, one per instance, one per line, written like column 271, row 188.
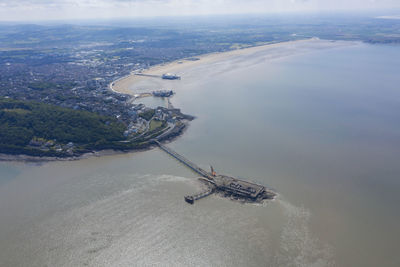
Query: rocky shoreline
column 98, row 153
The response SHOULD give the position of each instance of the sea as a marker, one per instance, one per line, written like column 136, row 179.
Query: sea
column 321, row 128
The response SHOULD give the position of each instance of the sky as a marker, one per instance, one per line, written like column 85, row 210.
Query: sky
column 15, row 10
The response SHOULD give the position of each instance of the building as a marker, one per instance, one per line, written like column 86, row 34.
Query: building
column 169, row 76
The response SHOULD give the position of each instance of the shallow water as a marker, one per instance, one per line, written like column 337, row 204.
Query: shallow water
column 321, row 128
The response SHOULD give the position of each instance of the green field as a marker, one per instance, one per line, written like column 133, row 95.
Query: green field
column 154, row 125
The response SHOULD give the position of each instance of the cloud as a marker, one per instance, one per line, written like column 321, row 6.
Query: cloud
column 67, row 9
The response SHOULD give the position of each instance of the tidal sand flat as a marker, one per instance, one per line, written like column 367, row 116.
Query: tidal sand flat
column 248, row 56
column 300, row 120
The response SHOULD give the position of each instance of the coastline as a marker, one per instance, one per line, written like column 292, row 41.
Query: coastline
column 122, row 84
column 100, row 153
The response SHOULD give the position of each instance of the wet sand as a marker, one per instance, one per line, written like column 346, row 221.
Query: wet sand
column 269, row 51
column 133, row 84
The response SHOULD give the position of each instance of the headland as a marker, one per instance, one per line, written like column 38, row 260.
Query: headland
column 161, row 123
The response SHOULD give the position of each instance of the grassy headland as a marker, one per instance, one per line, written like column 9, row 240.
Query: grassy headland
column 43, row 130
column 39, row 129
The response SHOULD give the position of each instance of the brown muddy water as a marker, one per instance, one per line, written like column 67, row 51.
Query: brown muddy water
column 320, row 127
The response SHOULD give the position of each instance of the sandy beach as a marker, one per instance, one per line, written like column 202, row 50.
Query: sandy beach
column 312, row 120
column 133, row 84
column 264, row 52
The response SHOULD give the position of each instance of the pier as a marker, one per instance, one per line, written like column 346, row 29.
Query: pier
column 191, row 199
column 165, row 76
column 183, row 160
column 230, row 186
column 148, row 75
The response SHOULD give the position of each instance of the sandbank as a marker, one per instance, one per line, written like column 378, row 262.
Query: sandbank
column 275, row 50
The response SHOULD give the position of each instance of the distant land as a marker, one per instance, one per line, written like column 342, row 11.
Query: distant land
column 66, row 69
column 389, row 17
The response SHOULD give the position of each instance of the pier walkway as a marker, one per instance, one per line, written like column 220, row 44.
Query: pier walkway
column 184, row 160
column 148, row 75
column 192, row 199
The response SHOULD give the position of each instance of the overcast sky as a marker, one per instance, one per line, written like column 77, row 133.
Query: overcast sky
column 80, row 9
